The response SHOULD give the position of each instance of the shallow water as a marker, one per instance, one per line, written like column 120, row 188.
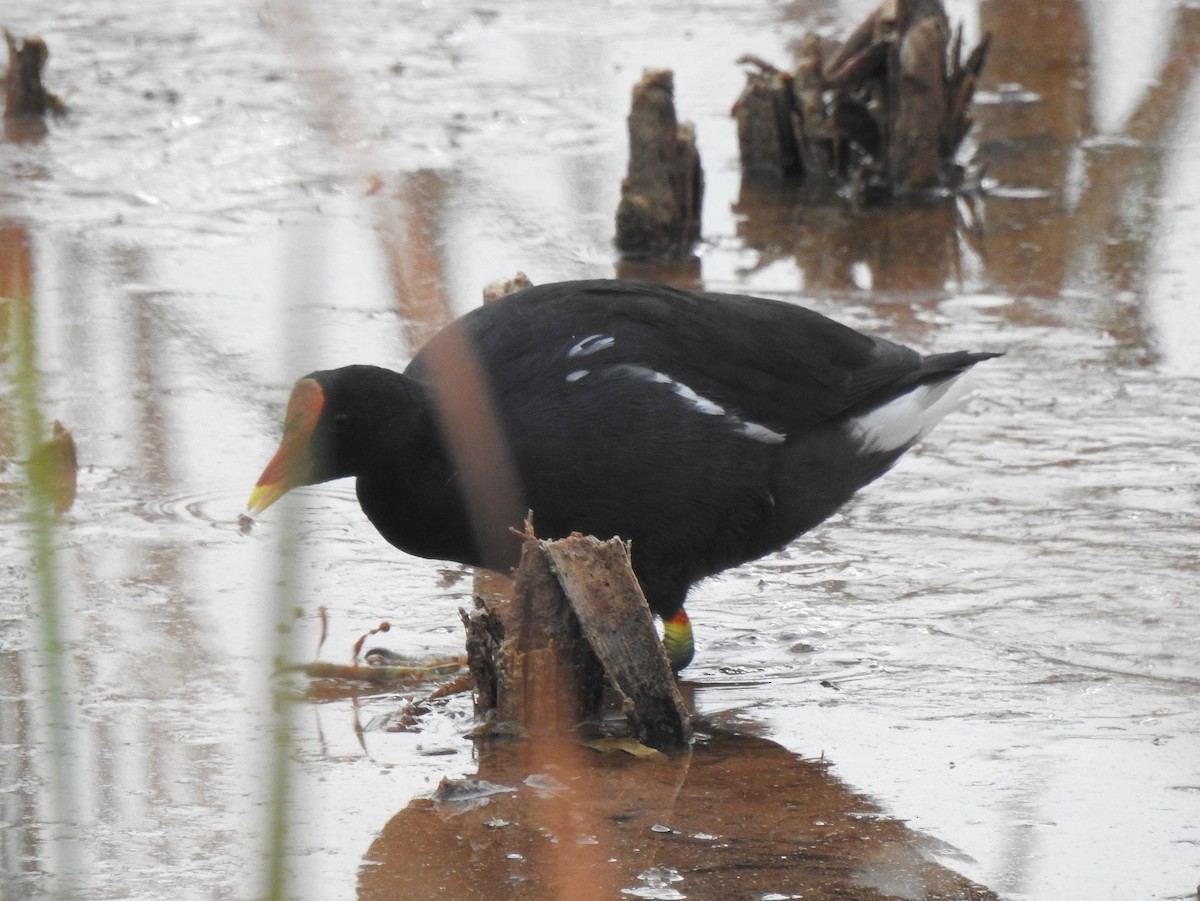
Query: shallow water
column 997, row 641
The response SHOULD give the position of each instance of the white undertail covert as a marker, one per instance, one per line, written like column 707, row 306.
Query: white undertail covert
column 904, row 421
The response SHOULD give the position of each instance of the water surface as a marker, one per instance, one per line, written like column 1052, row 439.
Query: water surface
column 997, row 642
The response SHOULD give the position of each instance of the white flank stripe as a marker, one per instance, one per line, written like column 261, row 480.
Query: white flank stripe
column 702, row 404
column 760, row 432
column 590, row 345
column 907, row 419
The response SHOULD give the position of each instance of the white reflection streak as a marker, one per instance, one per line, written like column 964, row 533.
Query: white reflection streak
column 1175, row 280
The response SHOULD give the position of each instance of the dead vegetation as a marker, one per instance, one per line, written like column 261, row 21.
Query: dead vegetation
column 880, row 115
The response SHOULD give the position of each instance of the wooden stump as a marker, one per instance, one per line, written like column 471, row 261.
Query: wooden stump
column 542, row 644
column 662, row 192
column 764, row 124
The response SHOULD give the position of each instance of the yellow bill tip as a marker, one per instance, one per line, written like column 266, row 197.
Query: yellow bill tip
column 263, row 496
column 291, row 464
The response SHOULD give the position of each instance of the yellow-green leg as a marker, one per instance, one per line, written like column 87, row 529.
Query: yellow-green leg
column 677, row 640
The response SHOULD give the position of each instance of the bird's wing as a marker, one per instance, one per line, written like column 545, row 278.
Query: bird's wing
column 776, row 363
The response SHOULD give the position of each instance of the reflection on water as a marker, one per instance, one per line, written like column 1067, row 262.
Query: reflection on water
column 997, row 641
column 738, row 816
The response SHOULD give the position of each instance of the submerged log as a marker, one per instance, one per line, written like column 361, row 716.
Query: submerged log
column 662, row 192
column 882, row 114
column 542, row 644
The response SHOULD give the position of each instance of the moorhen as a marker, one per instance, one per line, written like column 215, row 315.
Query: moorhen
column 706, row 429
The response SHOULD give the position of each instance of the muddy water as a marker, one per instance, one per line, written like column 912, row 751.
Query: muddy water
column 998, row 642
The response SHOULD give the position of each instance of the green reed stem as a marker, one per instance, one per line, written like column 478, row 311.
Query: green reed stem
column 47, row 599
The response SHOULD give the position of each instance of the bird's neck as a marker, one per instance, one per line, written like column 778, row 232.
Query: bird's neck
column 409, row 489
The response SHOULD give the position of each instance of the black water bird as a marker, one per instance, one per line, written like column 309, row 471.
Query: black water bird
column 707, row 429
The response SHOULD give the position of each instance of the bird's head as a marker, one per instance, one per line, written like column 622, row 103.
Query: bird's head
column 335, row 420
column 293, row 464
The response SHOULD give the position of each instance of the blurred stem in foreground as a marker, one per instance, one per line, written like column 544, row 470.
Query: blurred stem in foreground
column 302, row 262
column 278, row 833
column 61, row 833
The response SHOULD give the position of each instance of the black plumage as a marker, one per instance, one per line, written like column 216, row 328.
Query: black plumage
column 707, row 429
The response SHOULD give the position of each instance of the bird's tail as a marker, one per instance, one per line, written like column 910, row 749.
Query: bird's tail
column 939, row 387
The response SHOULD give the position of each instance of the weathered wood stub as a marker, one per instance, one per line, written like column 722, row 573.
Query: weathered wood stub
column 542, row 645
column 662, row 192
column 24, row 94
column 882, row 114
